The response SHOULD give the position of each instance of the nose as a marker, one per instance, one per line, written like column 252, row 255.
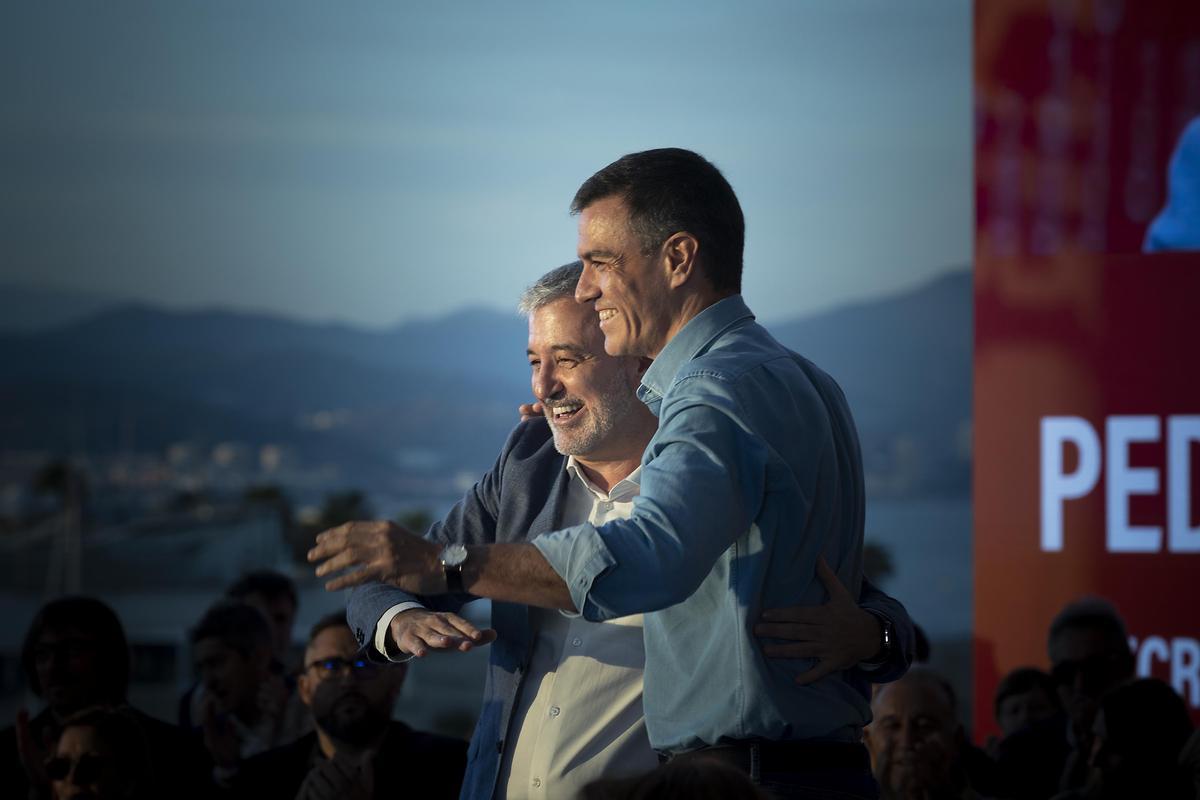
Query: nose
column 588, row 288
column 545, row 381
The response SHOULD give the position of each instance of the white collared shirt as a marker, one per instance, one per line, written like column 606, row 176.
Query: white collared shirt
column 579, row 714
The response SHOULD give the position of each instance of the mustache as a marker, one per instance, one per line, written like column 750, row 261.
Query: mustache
column 558, row 400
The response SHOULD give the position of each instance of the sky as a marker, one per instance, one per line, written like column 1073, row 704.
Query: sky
column 369, row 163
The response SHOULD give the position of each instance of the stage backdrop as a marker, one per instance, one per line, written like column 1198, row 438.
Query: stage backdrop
column 1087, row 346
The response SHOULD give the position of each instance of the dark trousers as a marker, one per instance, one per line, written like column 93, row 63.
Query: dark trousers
column 808, row 770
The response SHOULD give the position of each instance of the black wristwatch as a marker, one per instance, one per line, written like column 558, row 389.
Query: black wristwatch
column 452, row 558
column 886, row 640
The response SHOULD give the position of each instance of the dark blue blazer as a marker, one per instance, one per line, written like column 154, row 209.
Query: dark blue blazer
column 520, row 498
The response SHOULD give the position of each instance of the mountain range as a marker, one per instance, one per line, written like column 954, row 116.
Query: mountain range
column 93, row 374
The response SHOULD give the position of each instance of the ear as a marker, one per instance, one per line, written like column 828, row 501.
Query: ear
column 679, row 258
column 305, row 687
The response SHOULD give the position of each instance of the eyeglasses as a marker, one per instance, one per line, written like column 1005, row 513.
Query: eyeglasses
column 86, row 770
column 359, row 667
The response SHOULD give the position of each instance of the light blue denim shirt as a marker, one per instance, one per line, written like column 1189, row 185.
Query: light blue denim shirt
column 754, row 473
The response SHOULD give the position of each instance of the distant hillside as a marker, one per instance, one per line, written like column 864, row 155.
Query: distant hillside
column 29, row 309
column 904, row 362
column 141, row 377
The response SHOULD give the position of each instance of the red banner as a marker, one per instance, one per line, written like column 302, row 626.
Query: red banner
column 1087, row 349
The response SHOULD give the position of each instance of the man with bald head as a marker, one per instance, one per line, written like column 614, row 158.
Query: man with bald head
column 917, row 744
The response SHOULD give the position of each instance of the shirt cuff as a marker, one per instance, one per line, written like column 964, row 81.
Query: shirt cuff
column 381, row 632
column 874, row 666
column 579, row 556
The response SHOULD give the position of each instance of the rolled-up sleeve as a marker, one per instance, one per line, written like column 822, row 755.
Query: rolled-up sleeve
column 702, row 487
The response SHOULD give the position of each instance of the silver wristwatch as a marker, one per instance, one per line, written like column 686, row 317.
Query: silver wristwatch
column 452, row 558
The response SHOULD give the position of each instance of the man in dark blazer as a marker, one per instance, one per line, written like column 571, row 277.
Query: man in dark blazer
column 526, row 493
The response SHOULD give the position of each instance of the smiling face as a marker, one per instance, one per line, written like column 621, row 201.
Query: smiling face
column 628, row 288
column 913, row 738
column 589, row 396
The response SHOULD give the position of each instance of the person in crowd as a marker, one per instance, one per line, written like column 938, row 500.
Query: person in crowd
column 232, row 648
column 752, row 476
column 918, row 746
column 356, row 750
column 102, row 754
column 1025, row 697
column 1138, row 736
column 1089, row 652
column 586, row 676
column 273, row 594
column 75, row 656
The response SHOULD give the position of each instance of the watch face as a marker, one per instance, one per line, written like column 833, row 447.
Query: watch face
column 454, row 555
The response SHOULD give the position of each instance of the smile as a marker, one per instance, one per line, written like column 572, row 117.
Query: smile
column 565, row 411
column 607, row 314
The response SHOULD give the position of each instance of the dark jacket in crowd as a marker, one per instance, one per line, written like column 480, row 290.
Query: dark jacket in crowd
column 408, row 764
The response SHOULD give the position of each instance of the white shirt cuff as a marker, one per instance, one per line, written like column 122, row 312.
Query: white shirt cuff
column 381, row 632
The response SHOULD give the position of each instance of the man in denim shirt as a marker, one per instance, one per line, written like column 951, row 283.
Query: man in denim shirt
column 752, row 477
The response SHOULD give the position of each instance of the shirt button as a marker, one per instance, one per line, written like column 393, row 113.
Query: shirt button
column 554, row 711
column 606, row 506
column 577, row 641
column 537, row 782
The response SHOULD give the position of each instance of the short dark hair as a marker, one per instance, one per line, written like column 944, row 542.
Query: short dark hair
column 671, row 190
column 237, row 625
column 1021, row 681
column 1095, row 613
column 334, row 619
column 266, row 582
column 95, row 618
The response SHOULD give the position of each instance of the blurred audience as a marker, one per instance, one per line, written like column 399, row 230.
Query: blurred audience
column 274, row 595
column 74, row 657
column 1138, row 737
column 1089, row 654
column 240, row 712
column 356, row 750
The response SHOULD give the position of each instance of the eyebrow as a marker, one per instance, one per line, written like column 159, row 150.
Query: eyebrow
column 593, row 254
column 572, row 348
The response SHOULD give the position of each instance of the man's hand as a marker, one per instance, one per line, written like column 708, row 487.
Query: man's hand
column 838, row 634
column 417, row 631
column 378, row 551
column 530, row 411
column 337, row 778
column 220, row 737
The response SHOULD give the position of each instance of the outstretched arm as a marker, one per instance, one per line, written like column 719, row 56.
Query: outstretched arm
column 384, row 552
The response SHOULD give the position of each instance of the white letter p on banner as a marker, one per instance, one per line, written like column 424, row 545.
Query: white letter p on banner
column 1058, row 486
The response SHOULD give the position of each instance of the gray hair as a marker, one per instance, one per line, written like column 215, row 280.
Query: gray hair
column 554, row 285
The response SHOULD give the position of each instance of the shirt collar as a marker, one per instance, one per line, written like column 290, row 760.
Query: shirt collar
column 623, row 489
column 697, row 334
